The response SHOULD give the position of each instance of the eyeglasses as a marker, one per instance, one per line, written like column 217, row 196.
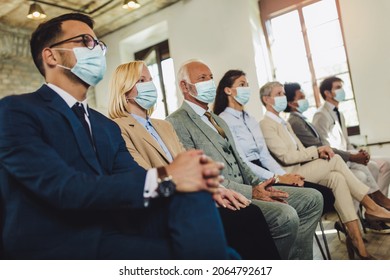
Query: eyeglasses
column 87, row 40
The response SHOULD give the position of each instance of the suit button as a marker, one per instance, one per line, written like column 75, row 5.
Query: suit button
column 235, row 162
column 235, row 175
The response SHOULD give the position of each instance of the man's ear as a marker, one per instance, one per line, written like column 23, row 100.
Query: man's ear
column 49, row 57
column 328, row 94
column 184, row 86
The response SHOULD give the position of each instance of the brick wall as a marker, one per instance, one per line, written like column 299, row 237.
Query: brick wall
column 18, row 73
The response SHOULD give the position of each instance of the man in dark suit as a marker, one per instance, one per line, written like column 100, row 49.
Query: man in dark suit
column 69, row 187
column 293, row 222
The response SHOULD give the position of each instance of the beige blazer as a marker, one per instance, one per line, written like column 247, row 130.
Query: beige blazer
column 283, row 148
column 143, row 147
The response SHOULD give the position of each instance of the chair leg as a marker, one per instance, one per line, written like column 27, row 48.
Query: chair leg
column 320, row 246
column 325, row 240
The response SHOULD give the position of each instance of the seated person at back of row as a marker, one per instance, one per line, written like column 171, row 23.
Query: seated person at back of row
column 357, row 161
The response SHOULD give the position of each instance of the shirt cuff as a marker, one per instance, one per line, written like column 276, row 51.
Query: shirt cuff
column 150, row 187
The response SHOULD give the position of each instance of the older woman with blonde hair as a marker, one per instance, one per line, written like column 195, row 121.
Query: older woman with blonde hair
column 154, row 143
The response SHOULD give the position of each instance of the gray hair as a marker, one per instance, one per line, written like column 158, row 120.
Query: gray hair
column 266, row 89
column 182, row 74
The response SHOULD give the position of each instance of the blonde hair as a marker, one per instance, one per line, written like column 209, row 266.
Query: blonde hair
column 266, row 89
column 125, row 77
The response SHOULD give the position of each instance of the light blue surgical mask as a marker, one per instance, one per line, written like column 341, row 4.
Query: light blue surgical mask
column 280, row 103
column 147, row 95
column 340, row 95
column 206, row 91
column 90, row 66
column 243, row 95
column 303, row 105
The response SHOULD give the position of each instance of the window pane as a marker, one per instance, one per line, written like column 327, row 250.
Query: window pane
column 330, row 62
column 288, row 49
column 319, row 13
column 350, row 114
column 159, row 111
column 325, row 37
column 170, row 84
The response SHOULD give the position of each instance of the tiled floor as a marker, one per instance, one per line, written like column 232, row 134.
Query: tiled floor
column 378, row 244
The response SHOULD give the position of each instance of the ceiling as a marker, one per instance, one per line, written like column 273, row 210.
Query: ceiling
column 109, row 15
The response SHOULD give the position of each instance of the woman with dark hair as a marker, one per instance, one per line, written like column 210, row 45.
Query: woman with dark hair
column 233, row 93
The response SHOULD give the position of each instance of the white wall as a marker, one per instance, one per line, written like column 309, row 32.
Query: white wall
column 366, row 31
column 219, row 32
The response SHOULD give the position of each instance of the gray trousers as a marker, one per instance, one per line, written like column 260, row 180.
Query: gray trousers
column 293, row 225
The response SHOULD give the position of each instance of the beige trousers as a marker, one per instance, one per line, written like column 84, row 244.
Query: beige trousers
column 336, row 175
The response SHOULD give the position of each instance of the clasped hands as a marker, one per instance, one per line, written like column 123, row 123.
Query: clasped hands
column 193, row 171
column 362, row 157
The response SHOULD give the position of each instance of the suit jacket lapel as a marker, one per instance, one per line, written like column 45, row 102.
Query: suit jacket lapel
column 166, row 138
column 58, row 104
column 212, row 135
column 146, row 136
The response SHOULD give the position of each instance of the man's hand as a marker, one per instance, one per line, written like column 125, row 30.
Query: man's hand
column 230, row 199
column 193, row 171
column 264, row 191
column 292, row 179
column 325, row 152
column 361, row 157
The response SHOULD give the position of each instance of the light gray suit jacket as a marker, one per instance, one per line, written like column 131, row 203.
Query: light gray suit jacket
column 328, row 127
column 194, row 133
column 309, row 135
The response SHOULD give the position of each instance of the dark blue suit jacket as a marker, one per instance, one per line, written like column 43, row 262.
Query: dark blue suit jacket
column 58, row 194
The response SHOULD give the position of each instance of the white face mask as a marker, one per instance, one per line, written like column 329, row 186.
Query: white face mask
column 340, row 95
column 243, row 95
column 147, row 95
column 280, row 103
column 206, row 91
column 90, row 64
column 303, row 105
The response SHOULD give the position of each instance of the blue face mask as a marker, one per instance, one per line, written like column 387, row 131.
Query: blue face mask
column 147, row 95
column 280, row 103
column 243, row 95
column 340, row 95
column 303, row 105
column 90, row 66
column 206, row 91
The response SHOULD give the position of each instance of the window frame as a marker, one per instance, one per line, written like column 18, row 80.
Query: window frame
column 270, row 9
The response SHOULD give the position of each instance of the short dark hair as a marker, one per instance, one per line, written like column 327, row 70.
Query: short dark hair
column 221, row 99
column 290, row 90
column 327, row 84
column 47, row 32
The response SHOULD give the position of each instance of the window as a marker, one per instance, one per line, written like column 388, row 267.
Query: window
column 160, row 65
column 306, row 45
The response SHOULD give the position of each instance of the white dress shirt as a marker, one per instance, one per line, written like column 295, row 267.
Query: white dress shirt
column 250, row 143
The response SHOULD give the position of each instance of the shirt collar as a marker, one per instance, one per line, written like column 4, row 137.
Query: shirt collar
column 198, row 110
column 330, row 105
column 140, row 119
column 299, row 114
column 69, row 99
column 235, row 113
column 275, row 117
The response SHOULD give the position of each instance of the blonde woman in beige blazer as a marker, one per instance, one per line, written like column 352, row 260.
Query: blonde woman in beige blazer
column 318, row 165
column 154, row 143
